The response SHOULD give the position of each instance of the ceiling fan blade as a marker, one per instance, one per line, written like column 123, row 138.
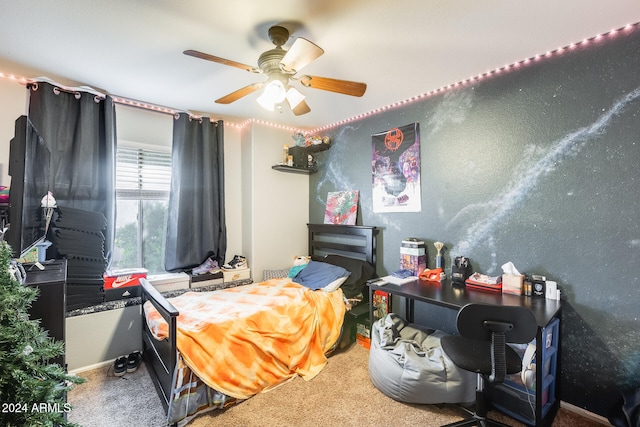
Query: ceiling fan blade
column 234, row 96
column 302, row 53
column 345, row 87
column 301, row 108
column 219, row 60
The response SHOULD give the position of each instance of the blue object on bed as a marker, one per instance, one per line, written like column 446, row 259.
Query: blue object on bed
column 293, row 271
column 317, row 275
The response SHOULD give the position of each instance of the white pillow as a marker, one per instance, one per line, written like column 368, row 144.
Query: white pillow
column 335, row 284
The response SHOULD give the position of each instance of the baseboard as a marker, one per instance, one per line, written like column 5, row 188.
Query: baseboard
column 92, row 367
column 583, row 412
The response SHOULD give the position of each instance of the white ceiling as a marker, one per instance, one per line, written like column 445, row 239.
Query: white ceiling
column 400, row 48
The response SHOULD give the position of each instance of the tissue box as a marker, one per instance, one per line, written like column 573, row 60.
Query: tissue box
column 512, row 284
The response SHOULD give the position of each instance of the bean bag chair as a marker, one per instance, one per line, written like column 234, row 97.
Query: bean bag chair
column 407, row 363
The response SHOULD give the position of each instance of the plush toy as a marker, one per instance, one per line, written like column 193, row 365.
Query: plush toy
column 301, row 260
column 299, row 263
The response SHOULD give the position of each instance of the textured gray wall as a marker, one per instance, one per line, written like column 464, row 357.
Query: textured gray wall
column 539, row 166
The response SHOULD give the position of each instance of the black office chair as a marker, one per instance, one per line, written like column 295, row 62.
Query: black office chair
column 481, row 348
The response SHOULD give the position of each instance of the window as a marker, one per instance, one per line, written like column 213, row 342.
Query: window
column 143, row 181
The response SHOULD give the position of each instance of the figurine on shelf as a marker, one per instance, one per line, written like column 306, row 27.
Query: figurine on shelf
column 298, row 137
column 314, row 140
column 311, row 162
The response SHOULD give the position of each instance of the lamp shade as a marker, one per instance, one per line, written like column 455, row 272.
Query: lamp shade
column 294, row 97
column 274, row 93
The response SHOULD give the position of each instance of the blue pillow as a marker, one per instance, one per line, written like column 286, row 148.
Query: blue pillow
column 317, row 275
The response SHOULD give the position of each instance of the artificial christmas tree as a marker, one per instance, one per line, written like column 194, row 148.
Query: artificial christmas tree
column 32, row 390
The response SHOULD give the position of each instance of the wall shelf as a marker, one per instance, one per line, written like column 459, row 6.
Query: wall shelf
column 316, row 148
column 292, row 169
column 301, row 154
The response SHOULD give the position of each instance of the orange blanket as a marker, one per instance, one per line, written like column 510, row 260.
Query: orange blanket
column 244, row 340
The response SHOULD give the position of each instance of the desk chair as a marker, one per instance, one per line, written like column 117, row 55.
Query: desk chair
column 481, row 348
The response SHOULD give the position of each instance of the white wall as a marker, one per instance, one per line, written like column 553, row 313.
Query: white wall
column 141, row 126
column 276, row 204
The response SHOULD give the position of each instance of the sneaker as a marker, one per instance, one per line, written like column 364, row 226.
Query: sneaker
column 238, row 262
column 120, row 366
column 208, row 266
column 133, row 361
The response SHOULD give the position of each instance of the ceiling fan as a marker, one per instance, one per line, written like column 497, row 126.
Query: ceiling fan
column 281, row 67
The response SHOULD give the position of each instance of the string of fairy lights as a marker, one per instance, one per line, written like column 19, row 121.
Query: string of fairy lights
column 469, row 81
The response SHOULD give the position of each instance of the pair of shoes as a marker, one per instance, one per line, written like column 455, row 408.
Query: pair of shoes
column 238, row 262
column 127, row 364
column 208, row 266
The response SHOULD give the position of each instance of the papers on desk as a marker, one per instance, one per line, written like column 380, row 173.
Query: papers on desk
column 393, row 280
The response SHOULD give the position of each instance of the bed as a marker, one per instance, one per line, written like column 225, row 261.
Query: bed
column 208, row 350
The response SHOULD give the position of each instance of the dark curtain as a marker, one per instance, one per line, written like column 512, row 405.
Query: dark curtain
column 196, row 222
column 79, row 130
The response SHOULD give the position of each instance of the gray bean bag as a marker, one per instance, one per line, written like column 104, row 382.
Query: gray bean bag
column 407, row 363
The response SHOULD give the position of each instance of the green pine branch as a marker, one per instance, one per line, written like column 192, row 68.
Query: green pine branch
column 32, row 389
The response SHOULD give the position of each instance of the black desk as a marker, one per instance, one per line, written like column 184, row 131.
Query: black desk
column 50, row 306
column 454, row 297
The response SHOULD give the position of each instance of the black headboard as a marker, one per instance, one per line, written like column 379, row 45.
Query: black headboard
column 355, row 241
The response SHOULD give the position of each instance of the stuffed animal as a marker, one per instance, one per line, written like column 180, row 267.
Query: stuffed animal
column 301, row 260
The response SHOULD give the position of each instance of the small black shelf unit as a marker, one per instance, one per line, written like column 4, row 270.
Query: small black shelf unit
column 302, row 151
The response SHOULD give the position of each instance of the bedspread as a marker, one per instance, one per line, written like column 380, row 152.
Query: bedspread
column 248, row 339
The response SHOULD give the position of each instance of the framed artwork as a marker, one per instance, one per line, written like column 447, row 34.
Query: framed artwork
column 342, row 207
column 396, row 170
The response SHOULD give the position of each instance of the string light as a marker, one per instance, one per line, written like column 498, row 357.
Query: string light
column 483, row 76
column 468, row 81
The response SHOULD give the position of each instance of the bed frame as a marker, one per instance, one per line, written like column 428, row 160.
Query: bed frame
column 355, row 241
column 161, row 356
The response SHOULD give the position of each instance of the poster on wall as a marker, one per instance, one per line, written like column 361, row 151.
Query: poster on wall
column 342, row 207
column 396, row 170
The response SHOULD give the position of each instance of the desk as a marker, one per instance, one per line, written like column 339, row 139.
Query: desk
column 50, row 306
column 454, row 296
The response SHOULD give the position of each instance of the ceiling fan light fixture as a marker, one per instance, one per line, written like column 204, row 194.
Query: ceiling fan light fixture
column 265, row 103
column 294, row 97
column 274, row 93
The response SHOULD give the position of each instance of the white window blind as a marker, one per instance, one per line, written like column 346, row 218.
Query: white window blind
column 142, row 174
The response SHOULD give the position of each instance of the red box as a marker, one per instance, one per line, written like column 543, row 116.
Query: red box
column 121, row 278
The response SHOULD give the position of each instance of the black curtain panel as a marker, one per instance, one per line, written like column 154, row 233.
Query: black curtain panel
column 79, row 129
column 196, row 221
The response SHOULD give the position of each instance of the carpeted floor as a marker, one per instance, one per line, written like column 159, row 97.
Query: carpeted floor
column 341, row 395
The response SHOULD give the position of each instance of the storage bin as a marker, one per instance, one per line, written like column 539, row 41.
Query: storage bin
column 515, row 399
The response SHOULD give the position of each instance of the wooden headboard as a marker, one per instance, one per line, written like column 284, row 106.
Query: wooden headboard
column 355, row 241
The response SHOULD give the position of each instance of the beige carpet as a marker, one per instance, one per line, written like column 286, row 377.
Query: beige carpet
column 341, row 395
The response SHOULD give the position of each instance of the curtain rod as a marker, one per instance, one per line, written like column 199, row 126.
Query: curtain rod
column 139, row 104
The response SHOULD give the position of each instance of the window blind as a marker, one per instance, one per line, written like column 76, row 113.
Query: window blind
column 142, row 174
